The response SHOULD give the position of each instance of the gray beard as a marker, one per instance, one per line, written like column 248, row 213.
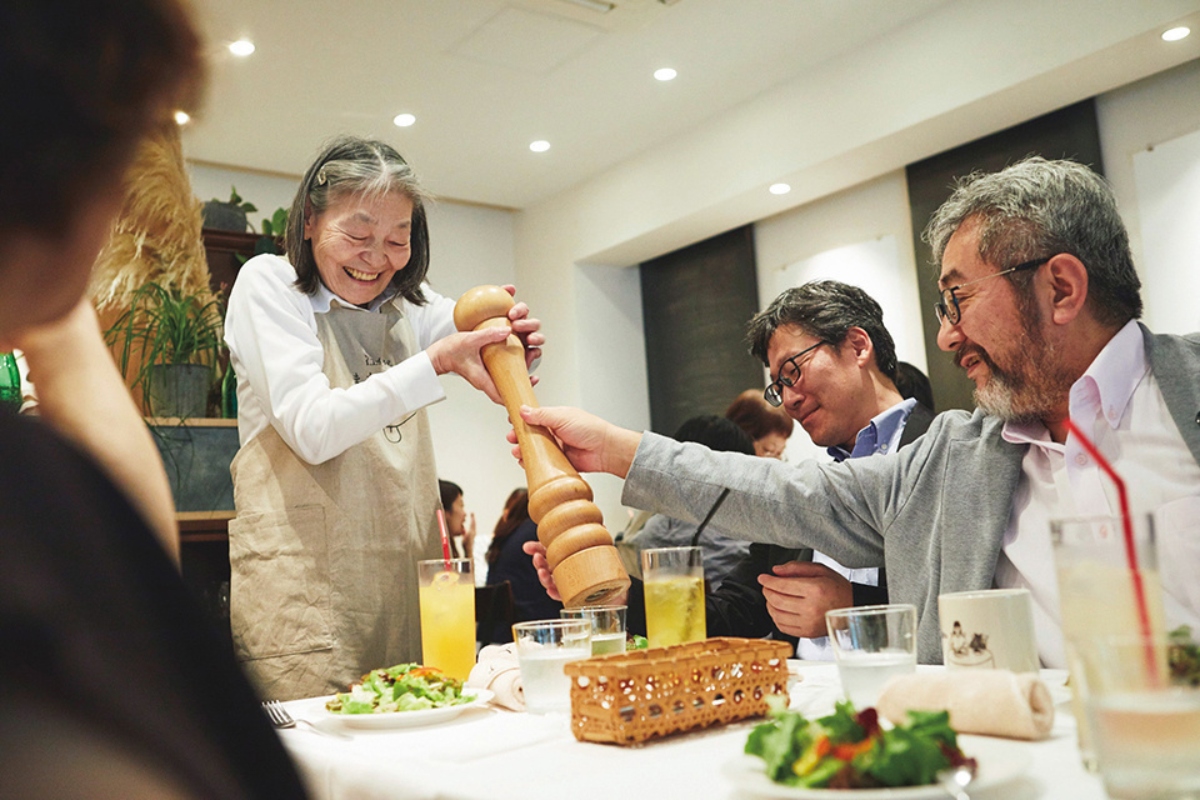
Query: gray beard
column 1033, row 393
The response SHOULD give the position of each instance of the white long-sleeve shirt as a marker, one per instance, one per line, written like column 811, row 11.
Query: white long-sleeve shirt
column 271, row 331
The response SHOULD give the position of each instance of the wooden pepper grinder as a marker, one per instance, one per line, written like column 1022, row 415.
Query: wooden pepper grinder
column 585, row 565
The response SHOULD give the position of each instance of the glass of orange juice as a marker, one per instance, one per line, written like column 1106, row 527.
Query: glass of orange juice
column 447, row 594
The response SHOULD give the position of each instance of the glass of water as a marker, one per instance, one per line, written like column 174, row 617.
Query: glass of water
column 872, row 644
column 608, row 626
column 543, row 648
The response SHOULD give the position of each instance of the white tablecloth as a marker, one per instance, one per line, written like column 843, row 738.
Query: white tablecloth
column 489, row 754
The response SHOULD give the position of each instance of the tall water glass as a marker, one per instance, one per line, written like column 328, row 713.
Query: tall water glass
column 1145, row 722
column 608, row 626
column 674, row 588
column 872, row 644
column 544, row 647
column 1096, row 594
column 447, row 596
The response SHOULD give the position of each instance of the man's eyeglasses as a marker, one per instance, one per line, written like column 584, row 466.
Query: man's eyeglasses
column 789, row 373
column 948, row 310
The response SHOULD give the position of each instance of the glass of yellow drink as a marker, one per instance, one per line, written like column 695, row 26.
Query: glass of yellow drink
column 1097, row 595
column 608, row 626
column 674, row 588
column 1145, row 723
column 447, row 592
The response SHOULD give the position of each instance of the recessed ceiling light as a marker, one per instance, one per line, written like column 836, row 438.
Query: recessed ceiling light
column 665, row 74
column 779, row 188
column 242, row 47
column 182, row 117
column 1175, row 34
column 540, row 146
column 404, row 120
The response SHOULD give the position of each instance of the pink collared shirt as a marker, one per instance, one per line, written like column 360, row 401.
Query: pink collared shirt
column 1118, row 404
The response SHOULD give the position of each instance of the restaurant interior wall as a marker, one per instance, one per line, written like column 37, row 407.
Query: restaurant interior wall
column 695, row 304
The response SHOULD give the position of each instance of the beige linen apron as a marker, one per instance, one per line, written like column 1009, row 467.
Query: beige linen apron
column 323, row 557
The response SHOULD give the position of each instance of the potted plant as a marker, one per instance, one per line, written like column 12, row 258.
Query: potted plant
column 228, row 215
column 172, row 342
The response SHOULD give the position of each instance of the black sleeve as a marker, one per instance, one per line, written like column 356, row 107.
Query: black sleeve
column 865, row 595
column 738, row 607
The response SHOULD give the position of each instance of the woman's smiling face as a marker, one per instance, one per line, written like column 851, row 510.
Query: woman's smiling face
column 359, row 243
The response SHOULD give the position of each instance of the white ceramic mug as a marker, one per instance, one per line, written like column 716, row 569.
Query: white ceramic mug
column 990, row 629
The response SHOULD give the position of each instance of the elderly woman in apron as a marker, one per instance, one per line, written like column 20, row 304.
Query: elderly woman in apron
column 337, row 350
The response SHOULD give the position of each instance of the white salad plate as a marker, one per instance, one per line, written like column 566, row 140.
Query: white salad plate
column 408, row 719
column 999, row 760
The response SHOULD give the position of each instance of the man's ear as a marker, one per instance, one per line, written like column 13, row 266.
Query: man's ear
column 1068, row 285
column 864, row 348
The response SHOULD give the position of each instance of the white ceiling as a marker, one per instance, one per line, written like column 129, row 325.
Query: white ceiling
column 486, row 77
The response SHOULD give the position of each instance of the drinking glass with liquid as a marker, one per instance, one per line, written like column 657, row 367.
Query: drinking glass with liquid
column 447, row 597
column 1145, row 722
column 674, row 589
column 608, row 626
column 1097, row 594
column 872, row 644
column 544, row 647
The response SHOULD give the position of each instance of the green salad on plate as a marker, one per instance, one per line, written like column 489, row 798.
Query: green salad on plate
column 404, row 687
column 849, row 749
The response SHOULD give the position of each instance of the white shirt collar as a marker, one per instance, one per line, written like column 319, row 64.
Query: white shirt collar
column 1107, row 384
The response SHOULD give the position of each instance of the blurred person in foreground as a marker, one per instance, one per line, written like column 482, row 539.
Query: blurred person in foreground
column 112, row 681
column 838, row 359
column 1039, row 302
column 338, row 349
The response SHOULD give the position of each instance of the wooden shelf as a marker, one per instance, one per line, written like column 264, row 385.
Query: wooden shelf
column 191, row 422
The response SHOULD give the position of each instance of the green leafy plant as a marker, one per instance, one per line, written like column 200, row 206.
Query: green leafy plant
column 273, row 231
column 236, row 201
column 166, row 326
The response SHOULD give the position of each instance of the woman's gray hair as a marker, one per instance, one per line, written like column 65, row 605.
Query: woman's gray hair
column 349, row 165
column 1036, row 209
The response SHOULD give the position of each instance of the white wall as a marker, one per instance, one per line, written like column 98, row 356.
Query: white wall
column 1152, row 157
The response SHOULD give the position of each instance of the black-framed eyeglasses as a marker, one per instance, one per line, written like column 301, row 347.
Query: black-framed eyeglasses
column 948, row 309
column 789, row 373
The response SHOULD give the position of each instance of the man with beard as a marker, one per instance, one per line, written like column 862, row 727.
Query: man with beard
column 1039, row 305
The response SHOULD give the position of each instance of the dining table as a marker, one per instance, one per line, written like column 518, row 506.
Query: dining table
column 490, row 753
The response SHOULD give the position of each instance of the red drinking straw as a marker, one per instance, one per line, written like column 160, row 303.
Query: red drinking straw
column 1139, row 590
column 441, row 515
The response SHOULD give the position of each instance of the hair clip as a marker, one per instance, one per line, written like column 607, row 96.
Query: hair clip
column 321, row 178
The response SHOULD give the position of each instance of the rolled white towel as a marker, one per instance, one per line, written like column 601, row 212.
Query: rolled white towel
column 993, row 702
column 498, row 670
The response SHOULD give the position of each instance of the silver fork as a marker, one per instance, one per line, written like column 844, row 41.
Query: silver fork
column 280, row 718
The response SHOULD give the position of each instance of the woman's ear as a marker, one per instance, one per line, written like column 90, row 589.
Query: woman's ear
column 1068, row 284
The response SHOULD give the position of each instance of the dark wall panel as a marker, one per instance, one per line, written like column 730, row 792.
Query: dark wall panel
column 695, row 305
column 1071, row 132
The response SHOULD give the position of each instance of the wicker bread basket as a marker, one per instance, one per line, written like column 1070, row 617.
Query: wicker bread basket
column 625, row 698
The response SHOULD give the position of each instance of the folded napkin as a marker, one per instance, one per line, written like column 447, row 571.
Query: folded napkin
column 993, row 702
column 497, row 669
